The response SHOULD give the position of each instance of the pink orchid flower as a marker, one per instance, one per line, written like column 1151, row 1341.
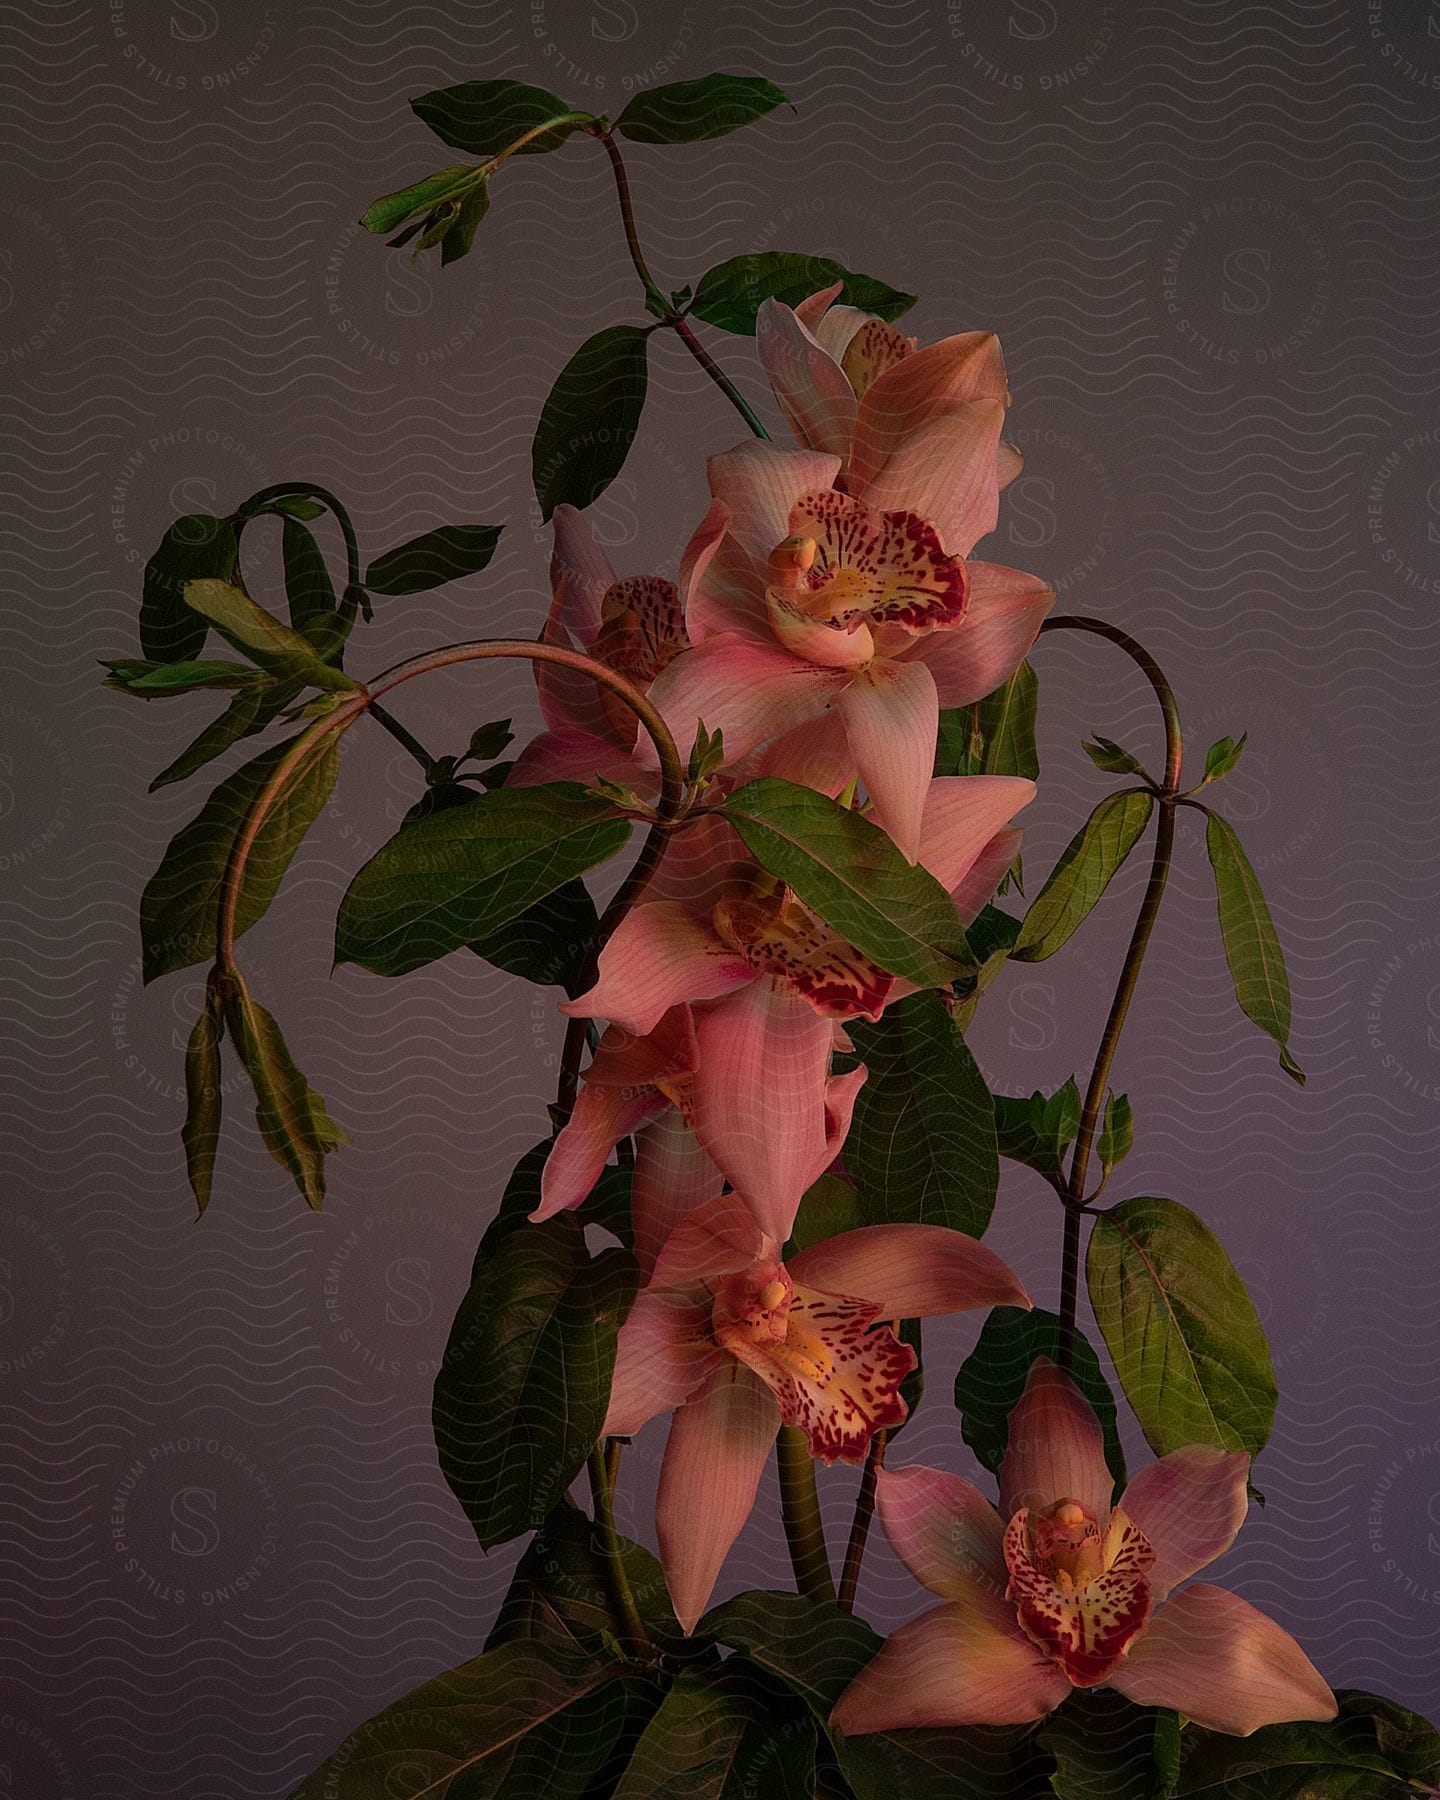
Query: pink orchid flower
column 768, row 984
column 737, row 1343
column 1059, row 1589
column 815, row 602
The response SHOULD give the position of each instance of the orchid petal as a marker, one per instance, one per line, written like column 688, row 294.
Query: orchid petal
column 985, row 874
column 945, row 471
column 910, row 1271
column 948, row 1536
column 814, row 307
column 718, row 1445
column 811, row 388
column 951, row 1666
column 1004, row 615
column 918, row 388
column 703, row 864
column 748, row 690
column 760, row 1096
column 1190, row 1504
column 574, row 753
column 580, row 572
column 662, row 1354
column 663, row 1057
column 962, row 815
column 1215, row 1658
column 697, row 555
column 1056, row 1449
column 602, row 1116
column 891, row 716
column 1087, row 1626
column 760, row 482
column 814, row 754
column 659, row 955
column 720, row 1237
column 673, row 1177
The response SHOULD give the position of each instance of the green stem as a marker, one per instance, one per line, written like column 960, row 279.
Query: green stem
column 800, row 1504
column 860, row 1523
column 278, row 490
column 602, row 1469
column 402, row 736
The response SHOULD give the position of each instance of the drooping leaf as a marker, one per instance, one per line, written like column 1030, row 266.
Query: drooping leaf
column 154, row 681
column 730, row 294
column 429, row 561
column 684, row 112
column 1223, row 755
column 287, row 506
column 1037, row 1130
column 1361, row 1755
column 1104, row 1747
column 249, row 712
column 277, row 648
column 1252, row 945
column 420, row 1745
column 308, row 587
column 178, row 907
column 992, row 1379
column 1086, row 868
column 590, row 419
column 1182, row 1332
column 1117, row 1132
column 1108, row 755
column 445, row 187
column 458, row 237
column 485, row 117
column 462, row 874
column 710, row 1740
column 522, row 1391
column 560, row 1592
column 850, row 873
column 200, row 1133
column 922, row 1146
column 196, row 546
column 814, row 1646
column 293, row 1122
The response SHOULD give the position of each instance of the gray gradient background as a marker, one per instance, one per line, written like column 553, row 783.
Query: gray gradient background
column 1206, row 234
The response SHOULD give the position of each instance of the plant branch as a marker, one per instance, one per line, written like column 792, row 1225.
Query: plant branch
column 627, row 1613
column 402, row 736
column 1154, row 674
column 860, row 1523
column 804, row 1529
column 278, row 490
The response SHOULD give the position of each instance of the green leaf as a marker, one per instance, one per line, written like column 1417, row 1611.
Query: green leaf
column 293, row 1122
column 814, row 1646
column 560, row 1591
column 1373, row 1750
column 1181, row 1329
column 485, row 117
column 971, row 1763
column 152, row 680
column 487, row 741
column 277, row 648
column 200, row 1133
column 706, row 1743
column 249, row 712
column 178, row 907
column 1112, row 759
column 590, row 419
column 458, row 237
column 850, row 873
column 1408, row 1743
column 992, row 1379
column 194, row 547
column 579, row 1753
column 995, row 737
column 684, row 112
column 828, row 1208
column 443, row 187
column 421, row 1744
column 434, row 558
column 730, row 294
column 1086, row 868
column 548, row 944
column 1223, row 755
column 1117, row 1132
column 1252, row 945
column 522, row 1391
column 1038, row 1130
column 922, row 1146
column 460, row 875
column 308, row 587
column 1104, row 1747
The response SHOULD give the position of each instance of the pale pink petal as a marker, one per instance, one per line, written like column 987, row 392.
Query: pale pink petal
column 673, row 1176
column 1056, row 1450
column 910, row 1271
column 718, row 1445
column 667, row 1054
column 1008, row 463
column 948, row 1536
column 662, row 1354
column 814, row 754
column 977, row 887
column 602, row 1116
column 573, row 754
column 1190, row 1504
column 760, row 482
column 840, row 1095
column 813, row 308
column 659, row 956
column 918, row 388
column 973, row 658
column 962, row 815
column 812, row 390
column 760, row 1096
column 1213, row 1657
column 951, row 1666
column 698, row 554
column 945, row 471
column 720, row 1237
column 704, row 862
column 580, row 572
column 748, row 690
column 891, row 716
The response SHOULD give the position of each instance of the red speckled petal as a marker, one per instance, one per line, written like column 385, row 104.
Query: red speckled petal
column 1086, row 1630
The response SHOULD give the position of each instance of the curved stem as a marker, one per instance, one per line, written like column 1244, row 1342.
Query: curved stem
column 279, row 489
column 1139, row 655
column 602, row 1467
column 860, row 1523
column 726, row 386
column 804, row 1529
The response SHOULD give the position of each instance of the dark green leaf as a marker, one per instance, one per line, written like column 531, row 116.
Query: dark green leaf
column 1252, row 945
column 992, row 932
column 922, row 1147
column 560, row 1592
column 992, row 1379
column 200, row 1133
column 429, row 561
column 829, row 1208
column 730, row 294
column 195, row 546
column 460, row 875
column 706, row 1743
column 1108, row 756
column 1373, row 1751
column 522, row 1392
column 1038, row 1130
column 422, row 1743
column 684, row 112
column 575, row 1755
column 590, row 419
column 995, row 737
column 444, row 187
column 177, row 909
column 297, row 1130
column 1167, row 1752
column 1408, row 1743
column 459, row 236
column 1086, row 868
column 1181, row 1329
column 151, row 680
column 1223, row 755
column 959, row 746
column 1117, row 1132
column 308, row 586
column 487, row 741
column 549, row 942
column 278, row 649
column 972, row 1763
column 249, row 712
column 1104, row 1747
column 485, row 117
column 815, row 1647
column 850, row 873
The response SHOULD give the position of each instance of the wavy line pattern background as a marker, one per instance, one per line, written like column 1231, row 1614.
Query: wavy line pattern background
column 1206, row 234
